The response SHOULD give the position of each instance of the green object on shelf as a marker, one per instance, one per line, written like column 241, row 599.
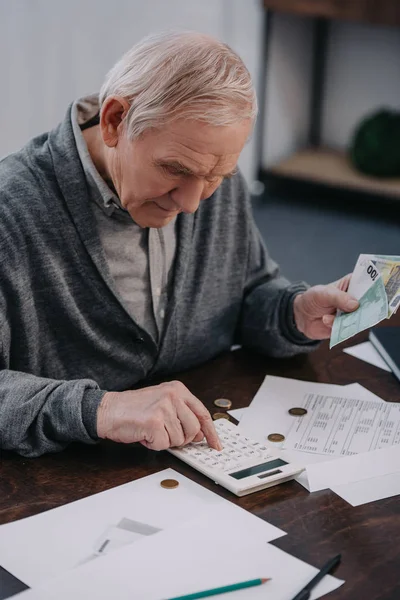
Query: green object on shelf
column 375, row 147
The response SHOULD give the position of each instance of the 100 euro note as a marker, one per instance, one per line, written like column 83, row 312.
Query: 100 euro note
column 367, row 285
column 389, row 268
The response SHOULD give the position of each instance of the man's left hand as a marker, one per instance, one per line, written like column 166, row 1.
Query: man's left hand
column 315, row 309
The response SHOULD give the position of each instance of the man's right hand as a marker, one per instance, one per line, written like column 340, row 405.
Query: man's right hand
column 159, row 417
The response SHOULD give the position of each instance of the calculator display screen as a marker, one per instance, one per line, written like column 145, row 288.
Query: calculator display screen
column 268, row 466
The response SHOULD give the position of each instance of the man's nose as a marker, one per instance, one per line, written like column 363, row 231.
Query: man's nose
column 189, row 194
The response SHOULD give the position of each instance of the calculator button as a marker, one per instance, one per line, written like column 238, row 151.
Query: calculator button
column 237, row 455
column 229, row 465
column 267, row 456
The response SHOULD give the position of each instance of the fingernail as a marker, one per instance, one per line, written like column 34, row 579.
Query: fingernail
column 352, row 304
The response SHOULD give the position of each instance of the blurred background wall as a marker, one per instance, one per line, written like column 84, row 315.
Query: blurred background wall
column 362, row 74
column 53, row 51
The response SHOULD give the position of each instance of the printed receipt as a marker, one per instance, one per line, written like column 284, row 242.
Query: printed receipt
column 341, row 426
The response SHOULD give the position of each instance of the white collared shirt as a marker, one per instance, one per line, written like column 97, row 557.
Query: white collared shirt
column 140, row 260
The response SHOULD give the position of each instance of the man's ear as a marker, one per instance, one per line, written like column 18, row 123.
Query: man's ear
column 112, row 114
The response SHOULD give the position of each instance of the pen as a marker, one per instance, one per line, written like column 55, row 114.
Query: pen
column 222, row 590
column 304, row 594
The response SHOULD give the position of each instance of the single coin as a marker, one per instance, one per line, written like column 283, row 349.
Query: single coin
column 297, row 411
column 169, row 484
column 220, row 416
column 276, row 437
column 223, row 403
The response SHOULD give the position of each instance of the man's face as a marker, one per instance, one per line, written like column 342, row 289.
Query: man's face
column 173, row 169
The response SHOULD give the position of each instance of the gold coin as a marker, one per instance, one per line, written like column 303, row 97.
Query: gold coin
column 169, row 484
column 223, row 403
column 276, row 437
column 220, row 416
column 297, row 411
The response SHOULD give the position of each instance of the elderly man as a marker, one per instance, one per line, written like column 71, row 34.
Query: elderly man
column 128, row 251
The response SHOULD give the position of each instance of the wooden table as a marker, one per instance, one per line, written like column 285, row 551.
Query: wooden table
column 318, row 525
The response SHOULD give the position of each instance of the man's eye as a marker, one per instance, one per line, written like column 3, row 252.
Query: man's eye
column 172, row 171
column 213, row 180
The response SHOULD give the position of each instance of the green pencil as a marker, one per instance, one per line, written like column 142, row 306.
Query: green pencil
column 222, row 590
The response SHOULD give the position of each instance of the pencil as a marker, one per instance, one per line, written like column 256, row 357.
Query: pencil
column 222, row 590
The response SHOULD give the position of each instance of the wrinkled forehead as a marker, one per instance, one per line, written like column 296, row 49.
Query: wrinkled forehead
column 207, row 146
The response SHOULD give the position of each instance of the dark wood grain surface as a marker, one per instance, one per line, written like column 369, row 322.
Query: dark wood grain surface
column 379, row 12
column 318, row 525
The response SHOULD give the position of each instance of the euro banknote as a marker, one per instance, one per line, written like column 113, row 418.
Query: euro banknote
column 375, row 282
column 389, row 268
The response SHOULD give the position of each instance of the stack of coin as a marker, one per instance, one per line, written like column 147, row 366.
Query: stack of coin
column 219, row 415
column 222, row 403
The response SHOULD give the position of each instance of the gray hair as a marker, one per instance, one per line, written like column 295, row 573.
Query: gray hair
column 187, row 75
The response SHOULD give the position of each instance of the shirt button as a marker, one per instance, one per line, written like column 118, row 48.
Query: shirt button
column 162, row 313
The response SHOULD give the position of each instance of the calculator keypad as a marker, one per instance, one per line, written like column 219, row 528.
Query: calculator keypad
column 238, row 450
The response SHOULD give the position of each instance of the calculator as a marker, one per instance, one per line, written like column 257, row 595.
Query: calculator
column 243, row 466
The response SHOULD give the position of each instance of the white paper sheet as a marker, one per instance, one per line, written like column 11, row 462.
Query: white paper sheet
column 355, row 387
column 354, row 468
column 342, row 425
column 366, row 352
column 358, row 391
column 200, row 554
column 369, row 490
column 268, row 412
column 237, row 413
column 46, row 545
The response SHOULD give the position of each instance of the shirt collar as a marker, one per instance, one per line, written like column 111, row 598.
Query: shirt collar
column 83, row 110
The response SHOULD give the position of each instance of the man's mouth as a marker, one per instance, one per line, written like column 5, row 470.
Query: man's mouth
column 169, row 210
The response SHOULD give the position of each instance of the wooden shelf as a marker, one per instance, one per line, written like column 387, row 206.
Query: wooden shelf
column 378, row 12
column 333, row 168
